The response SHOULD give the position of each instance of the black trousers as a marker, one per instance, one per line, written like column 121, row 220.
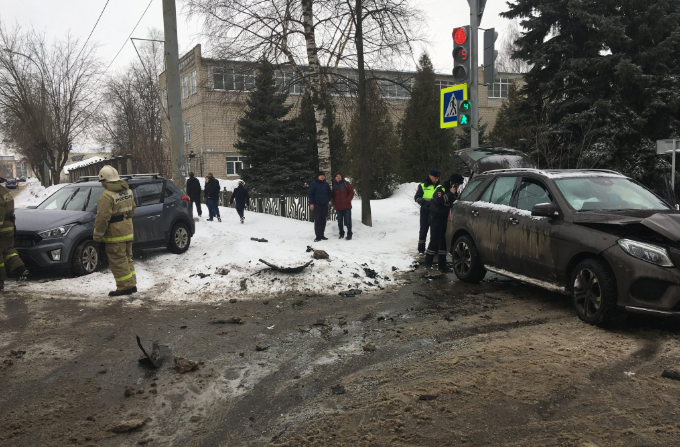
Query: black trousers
column 240, row 208
column 197, row 201
column 424, row 227
column 320, row 216
column 437, row 245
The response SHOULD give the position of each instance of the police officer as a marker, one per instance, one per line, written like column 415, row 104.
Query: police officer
column 440, row 205
column 9, row 258
column 113, row 226
column 423, row 196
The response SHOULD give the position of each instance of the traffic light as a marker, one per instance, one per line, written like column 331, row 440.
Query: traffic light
column 464, row 113
column 490, row 54
column 461, row 53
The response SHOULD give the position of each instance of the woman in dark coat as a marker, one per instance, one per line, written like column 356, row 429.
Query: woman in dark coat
column 241, row 197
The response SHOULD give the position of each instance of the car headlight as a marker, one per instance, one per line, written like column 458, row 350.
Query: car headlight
column 647, row 252
column 56, row 232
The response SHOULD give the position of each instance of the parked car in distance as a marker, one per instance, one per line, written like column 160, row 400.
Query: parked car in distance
column 12, row 183
column 598, row 236
column 22, row 179
column 57, row 234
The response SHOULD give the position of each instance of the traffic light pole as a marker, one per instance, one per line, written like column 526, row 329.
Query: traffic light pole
column 474, row 81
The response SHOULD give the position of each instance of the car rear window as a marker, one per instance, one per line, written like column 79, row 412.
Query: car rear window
column 500, row 191
column 469, row 189
column 148, row 193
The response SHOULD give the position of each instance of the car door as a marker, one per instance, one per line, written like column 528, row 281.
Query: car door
column 532, row 242
column 491, row 220
column 148, row 222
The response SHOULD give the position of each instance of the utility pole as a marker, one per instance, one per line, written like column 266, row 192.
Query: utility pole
column 474, row 75
column 174, row 97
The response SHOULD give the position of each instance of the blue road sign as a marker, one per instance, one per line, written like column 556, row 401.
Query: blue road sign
column 448, row 111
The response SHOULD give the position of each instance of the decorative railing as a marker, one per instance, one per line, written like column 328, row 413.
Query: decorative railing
column 292, row 207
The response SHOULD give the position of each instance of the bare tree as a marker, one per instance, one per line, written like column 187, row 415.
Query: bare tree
column 46, row 90
column 506, row 61
column 132, row 111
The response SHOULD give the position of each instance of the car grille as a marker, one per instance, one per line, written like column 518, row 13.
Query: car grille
column 24, row 242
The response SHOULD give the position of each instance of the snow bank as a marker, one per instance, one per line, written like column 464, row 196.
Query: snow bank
column 34, row 193
column 79, row 164
column 381, row 250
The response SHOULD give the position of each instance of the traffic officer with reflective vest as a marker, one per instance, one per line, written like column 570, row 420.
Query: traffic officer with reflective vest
column 113, row 226
column 9, row 258
column 440, row 206
column 423, row 196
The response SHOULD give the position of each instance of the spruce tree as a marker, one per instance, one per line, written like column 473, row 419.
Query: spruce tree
column 423, row 144
column 277, row 155
column 382, row 143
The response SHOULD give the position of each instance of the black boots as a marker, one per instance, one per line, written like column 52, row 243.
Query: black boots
column 129, row 291
column 349, row 236
column 342, row 235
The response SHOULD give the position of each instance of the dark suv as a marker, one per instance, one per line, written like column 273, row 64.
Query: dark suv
column 57, row 234
column 601, row 237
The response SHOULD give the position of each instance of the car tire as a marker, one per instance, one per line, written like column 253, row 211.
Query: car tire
column 180, row 238
column 87, row 258
column 467, row 264
column 594, row 294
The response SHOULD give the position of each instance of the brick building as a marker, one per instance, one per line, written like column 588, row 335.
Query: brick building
column 213, row 99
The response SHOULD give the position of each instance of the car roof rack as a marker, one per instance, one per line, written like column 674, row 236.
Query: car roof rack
column 547, row 171
column 90, row 178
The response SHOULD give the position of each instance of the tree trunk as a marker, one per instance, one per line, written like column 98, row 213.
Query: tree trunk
column 316, row 80
column 366, row 172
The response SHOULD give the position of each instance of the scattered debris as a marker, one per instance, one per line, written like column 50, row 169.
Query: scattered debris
column 338, row 389
column 244, row 284
column 309, row 249
column 200, row 275
column 128, row 426
column 194, row 418
column 16, row 353
column 259, row 348
column 183, row 327
column 369, row 347
column 320, row 254
column 233, row 300
column 145, row 441
column 671, row 374
column 394, row 269
column 270, row 327
column 629, row 374
column 345, row 331
column 285, row 269
column 350, row 293
column 424, row 296
column 427, row 397
column 320, row 322
column 222, row 271
column 371, row 273
column 158, row 354
column 227, row 321
column 258, row 240
column 183, row 365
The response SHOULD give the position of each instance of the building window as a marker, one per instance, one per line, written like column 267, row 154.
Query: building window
column 192, row 84
column 236, row 164
column 165, row 98
column 187, row 132
column 288, row 80
column 390, row 89
column 347, row 85
column 500, row 89
column 233, row 79
column 443, row 84
column 185, row 87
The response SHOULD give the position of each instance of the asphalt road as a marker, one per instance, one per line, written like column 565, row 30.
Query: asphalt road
column 434, row 363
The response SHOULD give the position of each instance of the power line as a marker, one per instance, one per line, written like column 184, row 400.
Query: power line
column 93, row 28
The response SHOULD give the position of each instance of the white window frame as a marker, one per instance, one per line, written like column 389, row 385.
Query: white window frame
column 185, row 87
column 288, row 79
column 499, row 89
column 192, row 84
column 233, row 79
column 237, row 164
column 187, row 131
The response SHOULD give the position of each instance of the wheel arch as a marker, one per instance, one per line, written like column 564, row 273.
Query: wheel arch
column 576, row 260
column 183, row 219
column 459, row 233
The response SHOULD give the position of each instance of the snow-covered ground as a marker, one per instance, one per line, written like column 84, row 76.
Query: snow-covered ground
column 385, row 249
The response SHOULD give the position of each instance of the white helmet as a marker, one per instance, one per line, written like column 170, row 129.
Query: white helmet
column 109, row 174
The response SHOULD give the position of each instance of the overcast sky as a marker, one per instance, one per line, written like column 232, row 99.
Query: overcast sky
column 56, row 18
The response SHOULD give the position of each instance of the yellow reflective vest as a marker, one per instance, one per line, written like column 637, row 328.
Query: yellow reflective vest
column 115, row 209
column 428, row 191
column 6, row 212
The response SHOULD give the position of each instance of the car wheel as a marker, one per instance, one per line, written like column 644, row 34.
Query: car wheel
column 86, row 258
column 467, row 264
column 180, row 239
column 593, row 293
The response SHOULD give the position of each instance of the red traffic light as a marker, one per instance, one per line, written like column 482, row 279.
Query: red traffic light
column 459, row 36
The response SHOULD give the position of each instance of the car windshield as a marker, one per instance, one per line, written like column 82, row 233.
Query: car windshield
column 608, row 193
column 83, row 198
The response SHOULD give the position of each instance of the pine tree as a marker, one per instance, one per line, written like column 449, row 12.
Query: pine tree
column 604, row 84
column 423, row 144
column 276, row 152
column 382, row 143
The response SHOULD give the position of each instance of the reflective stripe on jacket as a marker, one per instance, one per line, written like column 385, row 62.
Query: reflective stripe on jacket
column 116, row 200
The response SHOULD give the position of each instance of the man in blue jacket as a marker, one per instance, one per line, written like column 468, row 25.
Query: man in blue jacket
column 319, row 195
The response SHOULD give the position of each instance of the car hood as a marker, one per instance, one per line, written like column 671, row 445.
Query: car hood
column 40, row 220
column 665, row 224
column 485, row 159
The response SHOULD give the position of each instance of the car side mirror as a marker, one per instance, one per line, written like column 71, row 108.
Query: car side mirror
column 545, row 210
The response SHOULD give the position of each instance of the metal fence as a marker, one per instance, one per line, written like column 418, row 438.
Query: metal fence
column 292, row 207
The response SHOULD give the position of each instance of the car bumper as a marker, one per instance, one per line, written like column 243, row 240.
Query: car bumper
column 644, row 287
column 40, row 256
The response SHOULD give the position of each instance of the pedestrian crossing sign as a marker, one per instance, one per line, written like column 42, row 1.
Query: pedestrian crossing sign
column 448, row 110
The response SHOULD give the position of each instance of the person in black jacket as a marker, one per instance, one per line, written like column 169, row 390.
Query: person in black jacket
column 423, row 197
column 194, row 193
column 240, row 195
column 319, row 195
column 212, row 197
column 444, row 196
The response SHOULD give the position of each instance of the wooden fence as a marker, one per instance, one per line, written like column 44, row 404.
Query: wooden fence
column 122, row 163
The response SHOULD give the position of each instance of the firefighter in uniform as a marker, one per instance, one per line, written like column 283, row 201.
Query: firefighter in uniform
column 113, row 226
column 10, row 262
column 440, row 205
column 423, row 196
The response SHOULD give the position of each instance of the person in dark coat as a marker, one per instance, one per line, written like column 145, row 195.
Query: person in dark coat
column 319, row 195
column 194, row 193
column 212, row 197
column 423, row 197
column 343, row 193
column 440, row 206
column 240, row 195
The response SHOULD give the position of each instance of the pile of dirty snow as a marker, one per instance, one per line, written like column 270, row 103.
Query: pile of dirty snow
column 369, row 262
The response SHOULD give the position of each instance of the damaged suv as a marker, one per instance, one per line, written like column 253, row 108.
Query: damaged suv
column 598, row 236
